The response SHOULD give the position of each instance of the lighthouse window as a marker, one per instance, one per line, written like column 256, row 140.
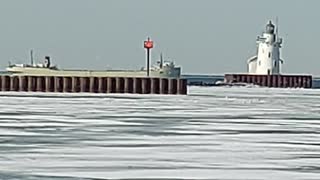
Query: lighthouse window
column 269, row 54
column 275, row 64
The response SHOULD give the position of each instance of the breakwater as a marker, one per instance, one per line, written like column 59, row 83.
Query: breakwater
column 279, row 81
column 134, row 85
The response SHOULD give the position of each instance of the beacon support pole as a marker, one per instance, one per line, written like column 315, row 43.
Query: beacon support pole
column 148, row 45
column 148, row 62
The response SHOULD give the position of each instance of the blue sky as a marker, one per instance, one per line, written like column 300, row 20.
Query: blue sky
column 202, row 36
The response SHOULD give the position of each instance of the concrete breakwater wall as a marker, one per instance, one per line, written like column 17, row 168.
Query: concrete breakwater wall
column 135, row 85
column 279, row 81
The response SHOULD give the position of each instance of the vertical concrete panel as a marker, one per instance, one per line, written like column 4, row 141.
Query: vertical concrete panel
column 23, row 84
column 128, row 85
column 228, row 78
column 40, row 83
column 305, row 82
column 75, row 84
column 11, row 88
column 119, row 85
column 296, row 82
column 137, row 85
column 29, row 83
column 50, row 85
column 93, row 84
column 173, row 86
column 264, row 80
column 261, row 80
column 243, row 78
column 67, row 84
column 111, row 85
column 309, row 82
column 248, row 79
column 14, row 83
column 84, row 84
column 8, row 83
column 299, row 81
column 182, row 86
column 280, row 81
column 254, row 79
column 285, row 81
column 58, row 84
column 164, row 86
column 290, row 81
column 269, row 81
column 146, row 85
column 237, row 78
column 32, row 83
column 275, row 81
column 102, row 85
column 3, row 83
column 257, row 80
column 185, row 87
column 155, row 85
column 232, row 78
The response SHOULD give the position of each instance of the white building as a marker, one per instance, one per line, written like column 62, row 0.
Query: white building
column 267, row 61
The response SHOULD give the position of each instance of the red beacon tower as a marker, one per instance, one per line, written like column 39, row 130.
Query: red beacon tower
column 148, row 44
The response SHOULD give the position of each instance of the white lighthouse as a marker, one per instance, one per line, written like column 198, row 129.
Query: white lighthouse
column 267, row 61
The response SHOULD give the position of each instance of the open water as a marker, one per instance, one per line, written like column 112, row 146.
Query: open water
column 212, row 133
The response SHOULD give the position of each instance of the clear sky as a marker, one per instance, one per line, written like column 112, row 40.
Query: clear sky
column 202, row 36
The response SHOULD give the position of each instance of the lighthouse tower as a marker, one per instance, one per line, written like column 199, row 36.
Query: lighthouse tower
column 267, row 61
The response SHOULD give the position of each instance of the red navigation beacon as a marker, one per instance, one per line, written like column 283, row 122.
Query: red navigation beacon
column 148, row 44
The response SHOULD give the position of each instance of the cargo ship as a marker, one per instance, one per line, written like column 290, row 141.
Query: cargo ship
column 163, row 69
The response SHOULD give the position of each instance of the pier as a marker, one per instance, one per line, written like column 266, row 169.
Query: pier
column 278, row 81
column 67, row 84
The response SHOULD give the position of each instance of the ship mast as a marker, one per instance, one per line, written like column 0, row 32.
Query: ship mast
column 161, row 61
column 277, row 28
column 31, row 56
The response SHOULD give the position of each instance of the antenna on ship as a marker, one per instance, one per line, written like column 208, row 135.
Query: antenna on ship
column 161, row 61
column 31, row 56
column 277, row 27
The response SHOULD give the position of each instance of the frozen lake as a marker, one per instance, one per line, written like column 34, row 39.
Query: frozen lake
column 213, row 133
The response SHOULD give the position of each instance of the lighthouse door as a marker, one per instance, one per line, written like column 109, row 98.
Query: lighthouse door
column 268, row 71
